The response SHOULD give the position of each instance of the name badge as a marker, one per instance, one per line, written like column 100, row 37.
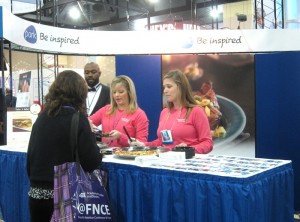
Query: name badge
column 166, row 137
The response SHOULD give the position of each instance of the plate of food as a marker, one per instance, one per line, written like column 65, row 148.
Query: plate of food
column 99, row 134
column 104, row 134
column 133, row 152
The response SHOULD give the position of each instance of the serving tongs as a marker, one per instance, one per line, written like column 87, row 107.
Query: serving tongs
column 130, row 139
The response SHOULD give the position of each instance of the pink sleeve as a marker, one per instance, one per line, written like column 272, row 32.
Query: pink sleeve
column 97, row 116
column 158, row 141
column 140, row 131
column 142, row 126
column 202, row 127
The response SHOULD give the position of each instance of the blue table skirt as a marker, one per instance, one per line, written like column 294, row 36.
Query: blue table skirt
column 144, row 194
column 14, row 186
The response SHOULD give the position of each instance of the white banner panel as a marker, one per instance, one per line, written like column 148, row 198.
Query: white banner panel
column 59, row 40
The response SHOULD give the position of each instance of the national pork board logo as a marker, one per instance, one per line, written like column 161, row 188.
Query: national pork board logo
column 30, row 34
column 187, row 42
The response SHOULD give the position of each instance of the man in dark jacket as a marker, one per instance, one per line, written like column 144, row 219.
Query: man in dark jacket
column 99, row 94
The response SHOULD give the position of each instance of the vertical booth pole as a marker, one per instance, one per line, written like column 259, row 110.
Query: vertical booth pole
column 38, row 77
column 3, row 65
column 2, row 95
column 42, row 80
column 292, row 13
column 10, row 67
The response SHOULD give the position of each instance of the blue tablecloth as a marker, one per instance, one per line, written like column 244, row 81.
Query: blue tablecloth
column 155, row 195
column 140, row 194
column 14, row 186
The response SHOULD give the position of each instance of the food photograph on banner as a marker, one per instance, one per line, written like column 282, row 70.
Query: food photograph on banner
column 223, row 85
column 19, row 125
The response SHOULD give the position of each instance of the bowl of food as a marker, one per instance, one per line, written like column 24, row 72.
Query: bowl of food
column 233, row 120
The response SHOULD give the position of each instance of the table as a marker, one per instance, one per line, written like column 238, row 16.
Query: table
column 144, row 194
column 14, row 186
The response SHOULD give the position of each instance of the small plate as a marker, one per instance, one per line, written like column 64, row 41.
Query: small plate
column 102, row 145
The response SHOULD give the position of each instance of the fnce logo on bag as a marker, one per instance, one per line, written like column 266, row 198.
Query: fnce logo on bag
column 82, row 195
column 30, row 34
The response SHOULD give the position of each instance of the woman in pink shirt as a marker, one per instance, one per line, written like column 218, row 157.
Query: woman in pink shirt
column 123, row 111
column 182, row 122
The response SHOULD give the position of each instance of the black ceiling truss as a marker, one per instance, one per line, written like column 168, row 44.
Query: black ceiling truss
column 118, row 11
column 269, row 16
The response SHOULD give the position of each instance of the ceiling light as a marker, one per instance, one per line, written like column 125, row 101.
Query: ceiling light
column 74, row 13
column 140, row 24
column 153, row 1
column 214, row 13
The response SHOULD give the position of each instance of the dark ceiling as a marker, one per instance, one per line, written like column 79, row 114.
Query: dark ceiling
column 124, row 15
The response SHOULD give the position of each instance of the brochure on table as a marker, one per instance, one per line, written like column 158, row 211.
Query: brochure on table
column 229, row 166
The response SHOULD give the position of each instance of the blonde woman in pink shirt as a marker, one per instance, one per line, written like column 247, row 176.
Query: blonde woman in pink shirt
column 182, row 122
column 122, row 111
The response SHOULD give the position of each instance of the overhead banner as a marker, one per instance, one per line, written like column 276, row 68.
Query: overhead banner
column 59, row 40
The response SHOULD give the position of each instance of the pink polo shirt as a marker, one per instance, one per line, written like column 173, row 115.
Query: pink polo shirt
column 194, row 131
column 136, row 124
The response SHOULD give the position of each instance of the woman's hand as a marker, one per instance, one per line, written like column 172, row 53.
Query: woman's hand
column 93, row 127
column 135, row 142
column 181, row 144
column 114, row 135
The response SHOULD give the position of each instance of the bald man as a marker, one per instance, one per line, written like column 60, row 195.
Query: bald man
column 99, row 94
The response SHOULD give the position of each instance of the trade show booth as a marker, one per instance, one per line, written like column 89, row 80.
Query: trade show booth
column 255, row 81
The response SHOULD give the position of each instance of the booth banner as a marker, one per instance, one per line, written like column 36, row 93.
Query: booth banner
column 224, row 86
column 88, row 42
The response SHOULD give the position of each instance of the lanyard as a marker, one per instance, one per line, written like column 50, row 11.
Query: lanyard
column 174, row 119
column 117, row 119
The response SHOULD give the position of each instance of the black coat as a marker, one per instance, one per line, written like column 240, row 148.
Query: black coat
column 50, row 145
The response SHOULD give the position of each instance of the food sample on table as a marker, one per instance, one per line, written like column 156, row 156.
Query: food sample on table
column 136, row 153
column 104, row 134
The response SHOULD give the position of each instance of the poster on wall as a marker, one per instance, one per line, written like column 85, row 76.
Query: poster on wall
column 23, row 96
column 224, row 86
column 19, row 125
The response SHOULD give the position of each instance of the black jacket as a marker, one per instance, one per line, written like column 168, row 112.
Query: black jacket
column 49, row 145
column 103, row 99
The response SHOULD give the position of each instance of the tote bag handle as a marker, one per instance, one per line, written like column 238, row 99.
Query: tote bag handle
column 74, row 140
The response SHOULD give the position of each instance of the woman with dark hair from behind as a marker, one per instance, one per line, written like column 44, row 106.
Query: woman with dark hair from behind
column 49, row 143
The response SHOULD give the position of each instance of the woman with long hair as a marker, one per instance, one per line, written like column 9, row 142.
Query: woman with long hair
column 123, row 111
column 50, row 142
column 182, row 122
